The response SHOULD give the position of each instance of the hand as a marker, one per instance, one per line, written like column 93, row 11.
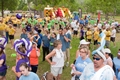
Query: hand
column 53, row 63
column 77, row 73
column 13, row 68
column 71, row 65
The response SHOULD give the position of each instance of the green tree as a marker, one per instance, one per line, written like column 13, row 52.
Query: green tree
column 106, row 6
column 8, row 5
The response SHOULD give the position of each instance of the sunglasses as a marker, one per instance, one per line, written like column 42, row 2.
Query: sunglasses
column 97, row 59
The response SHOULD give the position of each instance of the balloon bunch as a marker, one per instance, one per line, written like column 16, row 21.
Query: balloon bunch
column 26, row 43
column 101, row 48
column 3, row 42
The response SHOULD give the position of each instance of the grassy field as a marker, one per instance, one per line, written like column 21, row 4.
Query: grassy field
column 44, row 66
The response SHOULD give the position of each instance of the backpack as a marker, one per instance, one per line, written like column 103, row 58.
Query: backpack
column 47, row 76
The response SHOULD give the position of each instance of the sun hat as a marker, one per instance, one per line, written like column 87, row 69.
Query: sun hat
column 84, row 42
column 107, row 50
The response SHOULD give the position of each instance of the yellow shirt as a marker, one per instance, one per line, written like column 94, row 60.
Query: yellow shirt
column 89, row 34
column 96, row 35
column 108, row 35
column 14, row 21
column 99, row 39
column 2, row 26
column 11, row 31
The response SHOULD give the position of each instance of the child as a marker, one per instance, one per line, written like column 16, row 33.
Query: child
column 3, row 67
column 27, row 75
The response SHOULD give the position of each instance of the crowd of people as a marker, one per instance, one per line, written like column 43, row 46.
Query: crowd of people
column 54, row 38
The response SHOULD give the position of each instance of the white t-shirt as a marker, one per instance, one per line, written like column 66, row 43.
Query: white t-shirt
column 107, row 26
column 72, row 24
column 75, row 28
column 99, row 25
column 58, row 58
column 113, row 33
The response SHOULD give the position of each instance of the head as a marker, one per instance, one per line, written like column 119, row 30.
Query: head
column 84, row 43
column 23, row 30
column 1, row 51
column 83, row 51
column 10, row 25
column 65, row 29
column 54, row 35
column 34, row 45
column 98, row 60
column 118, row 56
column 60, row 31
column 107, row 52
column 46, row 32
column 57, row 44
column 29, row 34
column 24, row 68
column 22, row 50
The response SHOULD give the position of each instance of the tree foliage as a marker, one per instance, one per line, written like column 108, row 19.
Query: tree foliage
column 8, row 5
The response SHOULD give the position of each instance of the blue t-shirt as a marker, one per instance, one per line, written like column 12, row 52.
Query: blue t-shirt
column 51, row 43
column 31, row 76
column 81, row 64
column 45, row 41
column 82, row 22
column 3, row 67
column 23, row 35
column 117, row 65
column 68, row 43
column 40, row 39
column 63, row 42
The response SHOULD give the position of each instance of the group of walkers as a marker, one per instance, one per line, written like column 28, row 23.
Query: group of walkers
column 54, row 38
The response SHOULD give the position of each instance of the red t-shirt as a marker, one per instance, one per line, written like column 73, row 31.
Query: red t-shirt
column 33, row 56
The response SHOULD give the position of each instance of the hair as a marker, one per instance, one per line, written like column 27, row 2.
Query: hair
column 56, row 43
column 23, row 29
column 25, row 65
column 1, row 51
column 22, row 49
column 86, row 49
column 55, row 34
column 47, row 31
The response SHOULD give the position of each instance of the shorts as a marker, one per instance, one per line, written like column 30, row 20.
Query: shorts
column 11, row 37
column 42, row 26
column 15, row 25
column 56, row 70
column 95, row 42
column 75, row 32
column 3, row 73
column 107, row 44
column 113, row 39
column 89, row 40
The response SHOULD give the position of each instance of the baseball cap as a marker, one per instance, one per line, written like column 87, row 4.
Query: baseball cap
column 84, row 42
column 107, row 50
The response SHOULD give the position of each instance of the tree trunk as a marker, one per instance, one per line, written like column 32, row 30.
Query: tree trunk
column 2, row 7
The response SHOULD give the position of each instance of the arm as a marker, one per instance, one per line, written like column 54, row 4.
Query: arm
column 49, row 56
column 110, row 64
column 18, row 74
column 77, row 54
column 38, row 52
column 1, row 62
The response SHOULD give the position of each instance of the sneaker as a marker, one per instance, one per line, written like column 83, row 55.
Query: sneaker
column 67, row 64
column 11, row 47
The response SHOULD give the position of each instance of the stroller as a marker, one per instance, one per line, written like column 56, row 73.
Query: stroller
column 47, row 76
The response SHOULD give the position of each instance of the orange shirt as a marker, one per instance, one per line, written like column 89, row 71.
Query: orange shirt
column 33, row 57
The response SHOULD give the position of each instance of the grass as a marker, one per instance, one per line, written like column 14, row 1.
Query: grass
column 44, row 66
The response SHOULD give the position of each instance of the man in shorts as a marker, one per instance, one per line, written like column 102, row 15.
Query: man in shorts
column 113, row 35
